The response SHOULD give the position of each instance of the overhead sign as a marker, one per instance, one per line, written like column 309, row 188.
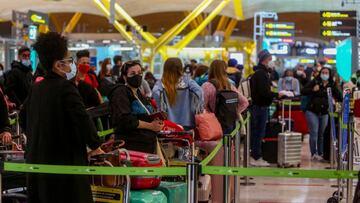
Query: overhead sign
column 38, row 18
column 280, row 26
column 33, row 32
column 280, row 33
column 338, row 14
column 338, row 23
column 338, row 33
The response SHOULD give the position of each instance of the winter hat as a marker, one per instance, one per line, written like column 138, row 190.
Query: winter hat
column 232, row 62
column 263, row 55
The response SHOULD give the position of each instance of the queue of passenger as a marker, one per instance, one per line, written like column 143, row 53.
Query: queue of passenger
column 53, row 106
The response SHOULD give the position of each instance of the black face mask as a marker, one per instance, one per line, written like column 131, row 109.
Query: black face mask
column 135, row 81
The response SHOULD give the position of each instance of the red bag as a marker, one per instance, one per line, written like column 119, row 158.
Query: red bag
column 173, row 127
column 140, row 159
column 208, row 126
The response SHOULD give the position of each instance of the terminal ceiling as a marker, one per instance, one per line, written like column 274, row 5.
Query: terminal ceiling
column 142, row 7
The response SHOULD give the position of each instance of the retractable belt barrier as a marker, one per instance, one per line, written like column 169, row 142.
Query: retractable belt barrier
column 178, row 171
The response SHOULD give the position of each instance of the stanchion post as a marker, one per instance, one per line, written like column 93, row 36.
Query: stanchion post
column 349, row 183
column 1, row 172
column 237, row 164
column 226, row 146
column 246, row 162
column 192, row 182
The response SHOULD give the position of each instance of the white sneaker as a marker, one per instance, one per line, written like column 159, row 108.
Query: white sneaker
column 317, row 158
column 260, row 162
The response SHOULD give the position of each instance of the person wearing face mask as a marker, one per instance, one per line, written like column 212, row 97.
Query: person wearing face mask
column 107, row 81
column 84, row 82
column 58, row 128
column 317, row 109
column 130, row 111
column 83, row 65
column 262, row 98
column 288, row 86
column 300, row 74
column 19, row 79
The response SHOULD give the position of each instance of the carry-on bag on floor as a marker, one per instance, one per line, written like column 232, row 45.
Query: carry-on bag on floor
column 270, row 141
column 204, row 189
column 141, row 159
column 176, row 192
column 289, row 144
column 148, row 196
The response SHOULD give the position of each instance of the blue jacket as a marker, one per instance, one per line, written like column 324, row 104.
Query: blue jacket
column 189, row 100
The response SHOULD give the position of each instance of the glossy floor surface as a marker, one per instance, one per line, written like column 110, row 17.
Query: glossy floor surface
column 291, row 190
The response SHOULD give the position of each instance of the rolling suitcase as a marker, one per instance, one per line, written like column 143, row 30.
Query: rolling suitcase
column 289, row 144
column 176, row 192
column 141, row 159
column 148, row 196
column 270, row 141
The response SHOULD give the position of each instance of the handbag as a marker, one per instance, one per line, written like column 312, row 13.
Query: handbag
column 208, row 126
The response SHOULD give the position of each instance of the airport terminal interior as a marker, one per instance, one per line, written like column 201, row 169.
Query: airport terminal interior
column 179, row 101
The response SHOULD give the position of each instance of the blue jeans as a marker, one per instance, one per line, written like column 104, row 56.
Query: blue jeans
column 259, row 116
column 317, row 125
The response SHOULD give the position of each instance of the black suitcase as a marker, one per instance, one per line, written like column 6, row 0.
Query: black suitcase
column 270, row 141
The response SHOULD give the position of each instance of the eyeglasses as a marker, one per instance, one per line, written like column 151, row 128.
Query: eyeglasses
column 69, row 60
column 25, row 55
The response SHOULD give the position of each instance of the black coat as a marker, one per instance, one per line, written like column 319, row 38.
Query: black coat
column 260, row 84
column 58, row 129
column 17, row 82
column 318, row 101
column 125, row 119
column 89, row 94
column 4, row 117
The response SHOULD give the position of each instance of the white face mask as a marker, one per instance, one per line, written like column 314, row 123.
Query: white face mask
column 108, row 66
column 271, row 64
column 1, row 73
column 72, row 73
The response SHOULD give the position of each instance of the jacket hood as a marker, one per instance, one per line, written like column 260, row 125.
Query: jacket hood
column 232, row 70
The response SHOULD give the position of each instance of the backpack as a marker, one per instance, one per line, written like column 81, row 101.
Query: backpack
column 226, row 106
column 245, row 88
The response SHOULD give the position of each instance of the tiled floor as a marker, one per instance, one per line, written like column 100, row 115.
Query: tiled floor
column 290, row 190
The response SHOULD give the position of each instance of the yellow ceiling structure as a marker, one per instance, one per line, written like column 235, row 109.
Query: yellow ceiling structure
column 141, row 7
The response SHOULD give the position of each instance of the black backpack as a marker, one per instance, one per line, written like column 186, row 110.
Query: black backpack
column 226, row 106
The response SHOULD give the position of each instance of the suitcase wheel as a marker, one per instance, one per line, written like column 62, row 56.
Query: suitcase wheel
column 332, row 200
column 336, row 196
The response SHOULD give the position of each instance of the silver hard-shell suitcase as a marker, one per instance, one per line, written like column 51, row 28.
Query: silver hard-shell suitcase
column 289, row 143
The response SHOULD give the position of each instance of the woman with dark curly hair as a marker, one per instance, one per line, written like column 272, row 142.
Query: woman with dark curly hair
column 58, row 127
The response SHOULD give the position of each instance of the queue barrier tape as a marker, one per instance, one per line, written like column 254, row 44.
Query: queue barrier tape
column 207, row 160
column 276, row 172
column 96, row 170
column 106, row 132
column 12, row 121
column 178, row 171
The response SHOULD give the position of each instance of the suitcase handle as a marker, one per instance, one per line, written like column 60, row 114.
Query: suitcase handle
column 283, row 113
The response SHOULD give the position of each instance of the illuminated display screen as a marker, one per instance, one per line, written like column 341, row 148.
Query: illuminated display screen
column 279, row 33
column 338, row 14
column 344, row 60
column 280, row 26
column 338, row 33
column 338, row 23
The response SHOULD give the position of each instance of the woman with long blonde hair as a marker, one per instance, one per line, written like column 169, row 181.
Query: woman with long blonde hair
column 177, row 94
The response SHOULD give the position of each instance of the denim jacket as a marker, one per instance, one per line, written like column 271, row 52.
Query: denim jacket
column 189, row 100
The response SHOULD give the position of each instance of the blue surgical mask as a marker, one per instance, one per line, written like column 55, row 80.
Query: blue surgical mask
column 26, row 62
column 324, row 77
column 288, row 78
